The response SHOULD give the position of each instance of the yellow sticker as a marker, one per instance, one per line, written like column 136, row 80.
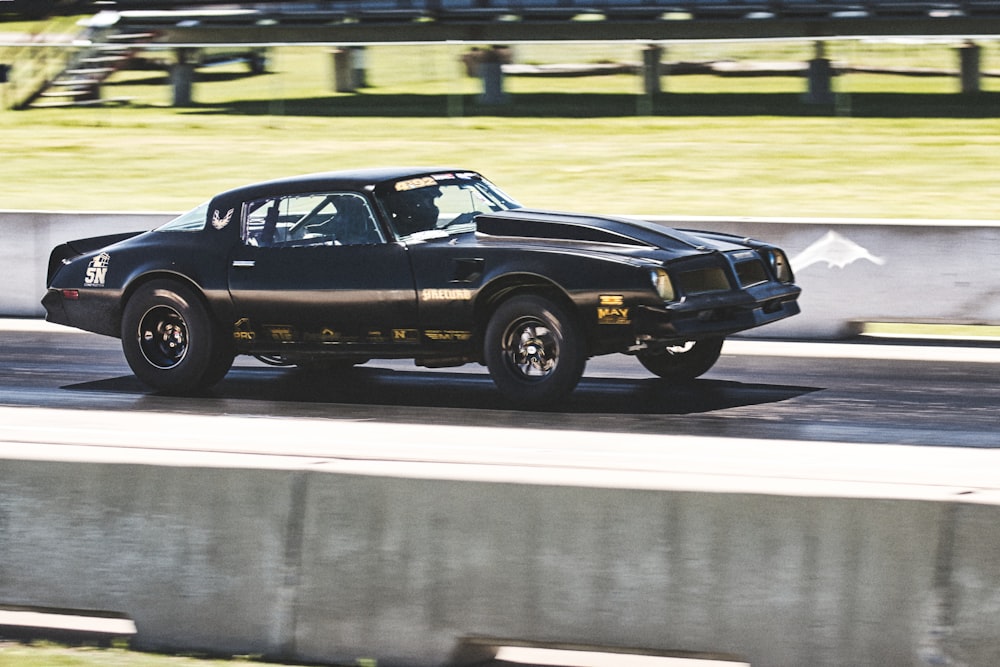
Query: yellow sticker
column 415, row 183
column 327, row 335
column 242, row 330
column 448, row 335
column 404, row 336
column 445, row 294
column 282, row 334
column 613, row 316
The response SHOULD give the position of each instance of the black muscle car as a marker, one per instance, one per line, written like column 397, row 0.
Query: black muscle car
column 438, row 265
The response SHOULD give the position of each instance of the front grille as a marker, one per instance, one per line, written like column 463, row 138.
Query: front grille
column 703, row 281
column 751, row 272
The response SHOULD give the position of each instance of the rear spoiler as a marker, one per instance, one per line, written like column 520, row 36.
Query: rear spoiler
column 71, row 249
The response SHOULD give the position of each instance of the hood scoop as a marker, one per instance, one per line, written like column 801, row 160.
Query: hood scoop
column 531, row 224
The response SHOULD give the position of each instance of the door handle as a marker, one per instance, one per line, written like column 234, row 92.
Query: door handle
column 244, row 264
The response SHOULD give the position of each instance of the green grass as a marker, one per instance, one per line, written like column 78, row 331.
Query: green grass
column 910, row 147
column 158, row 159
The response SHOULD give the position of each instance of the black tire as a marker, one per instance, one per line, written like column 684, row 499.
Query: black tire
column 683, row 362
column 534, row 350
column 170, row 340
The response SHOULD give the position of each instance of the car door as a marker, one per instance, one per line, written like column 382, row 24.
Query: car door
column 307, row 276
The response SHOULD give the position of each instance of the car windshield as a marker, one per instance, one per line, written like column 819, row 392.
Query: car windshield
column 192, row 221
column 440, row 203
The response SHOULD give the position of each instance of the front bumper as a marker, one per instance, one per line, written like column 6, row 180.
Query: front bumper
column 711, row 316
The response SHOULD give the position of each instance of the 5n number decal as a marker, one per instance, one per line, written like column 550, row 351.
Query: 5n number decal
column 97, row 271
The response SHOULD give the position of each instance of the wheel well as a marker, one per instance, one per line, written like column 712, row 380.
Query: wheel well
column 508, row 287
column 147, row 278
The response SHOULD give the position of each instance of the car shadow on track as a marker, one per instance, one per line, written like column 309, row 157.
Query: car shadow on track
column 375, row 386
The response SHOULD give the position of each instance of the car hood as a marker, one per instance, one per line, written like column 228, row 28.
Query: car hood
column 556, row 226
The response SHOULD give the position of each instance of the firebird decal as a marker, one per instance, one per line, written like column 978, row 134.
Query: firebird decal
column 220, row 223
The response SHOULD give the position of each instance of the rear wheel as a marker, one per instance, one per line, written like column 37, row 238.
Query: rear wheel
column 170, row 341
column 534, row 350
column 683, row 362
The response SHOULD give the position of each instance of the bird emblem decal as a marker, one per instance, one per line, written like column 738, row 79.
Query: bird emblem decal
column 220, row 222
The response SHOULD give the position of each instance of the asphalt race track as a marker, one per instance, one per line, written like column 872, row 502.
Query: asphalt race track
column 890, row 393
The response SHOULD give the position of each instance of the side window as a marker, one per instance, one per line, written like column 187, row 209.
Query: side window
column 339, row 218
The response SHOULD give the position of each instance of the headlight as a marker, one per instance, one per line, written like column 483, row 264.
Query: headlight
column 662, row 284
column 780, row 265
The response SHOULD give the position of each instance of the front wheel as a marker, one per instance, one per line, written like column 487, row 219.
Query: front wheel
column 683, row 362
column 170, row 341
column 534, row 350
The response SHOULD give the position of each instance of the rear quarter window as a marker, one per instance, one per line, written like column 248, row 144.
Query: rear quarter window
column 192, row 221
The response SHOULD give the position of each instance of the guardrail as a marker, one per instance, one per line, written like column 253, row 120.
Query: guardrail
column 851, row 271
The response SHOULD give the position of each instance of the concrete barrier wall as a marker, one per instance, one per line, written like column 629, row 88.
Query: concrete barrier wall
column 27, row 238
column 851, row 271
column 308, row 563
